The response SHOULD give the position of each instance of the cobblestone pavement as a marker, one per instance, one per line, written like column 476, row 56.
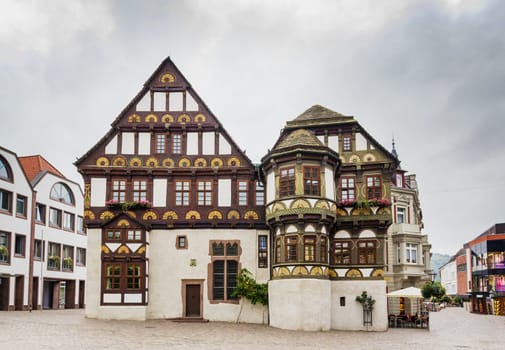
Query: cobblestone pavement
column 452, row 328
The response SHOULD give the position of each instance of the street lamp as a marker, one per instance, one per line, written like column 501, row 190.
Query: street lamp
column 432, row 274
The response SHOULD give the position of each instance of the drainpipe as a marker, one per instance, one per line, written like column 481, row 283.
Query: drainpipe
column 32, row 243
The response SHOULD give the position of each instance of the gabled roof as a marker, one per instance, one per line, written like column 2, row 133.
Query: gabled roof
column 34, row 165
column 299, row 137
column 156, row 82
column 318, row 114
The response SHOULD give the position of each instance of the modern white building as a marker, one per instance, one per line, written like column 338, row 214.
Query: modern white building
column 43, row 264
column 16, row 198
column 448, row 277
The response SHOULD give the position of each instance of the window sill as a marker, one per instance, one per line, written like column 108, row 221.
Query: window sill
column 40, row 223
column 6, row 212
column 19, row 256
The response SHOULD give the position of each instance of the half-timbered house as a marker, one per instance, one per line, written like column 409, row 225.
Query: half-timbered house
column 175, row 210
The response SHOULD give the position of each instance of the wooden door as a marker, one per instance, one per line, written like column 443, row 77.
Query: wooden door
column 81, row 294
column 193, row 300
column 19, row 292
column 4, row 293
column 35, row 293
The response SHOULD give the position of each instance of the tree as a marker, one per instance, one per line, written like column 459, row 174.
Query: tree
column 433, row 290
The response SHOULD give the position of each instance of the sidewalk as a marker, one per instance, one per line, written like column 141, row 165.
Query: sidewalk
column 452, row 328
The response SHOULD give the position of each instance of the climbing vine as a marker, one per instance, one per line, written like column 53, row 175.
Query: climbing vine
column 248, row 288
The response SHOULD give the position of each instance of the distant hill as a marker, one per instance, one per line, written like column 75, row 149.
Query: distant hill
column 438, row 260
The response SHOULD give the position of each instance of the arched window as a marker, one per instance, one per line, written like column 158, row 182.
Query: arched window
column 61, row 192
column 5, row 171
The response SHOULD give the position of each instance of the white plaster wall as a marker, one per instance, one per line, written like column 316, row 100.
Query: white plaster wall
column 300, row 304
column 329, row 184
column 160, row 192
column 145, row 103
column 128, row 143
column 350, row 317
column 48, row 234
column 192, row 143
column 144, row 143
column 14, row 224
column 98, row 191
column 224, row 192
column 333, row 143
column 224, row 146
column 448, row 277
column 111, row 147
column 361, row 143
column 168, row 266
column 159, row 101
column 93, row 275
column 270, row 187
column 208, row 146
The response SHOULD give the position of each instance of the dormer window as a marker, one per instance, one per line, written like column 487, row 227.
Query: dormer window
column 346, row 146
column 399, row 180
column 287, row 182
column 311, row 181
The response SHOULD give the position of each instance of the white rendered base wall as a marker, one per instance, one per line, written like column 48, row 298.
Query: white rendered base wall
column 300, row 304
column 350, row 316
column 315, row 305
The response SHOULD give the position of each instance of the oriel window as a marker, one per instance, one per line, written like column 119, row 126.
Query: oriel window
column 311, row 181
column 373, row 187
column 287, row 182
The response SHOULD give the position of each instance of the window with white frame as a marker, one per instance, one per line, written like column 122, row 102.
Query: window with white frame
column 80, row 256
column 139, row 190
column 182, row 193
column 68, row 221
column 260, row 194
column 242, row 193
column 400, row 215
column 160, row 143
column 40, row 213
column 204, row 193
column 411, row 253
column 54, row 217
column 80, row 224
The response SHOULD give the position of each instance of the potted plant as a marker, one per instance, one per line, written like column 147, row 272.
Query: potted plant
column 4, row 250
column 67, row 262
column 55, row 260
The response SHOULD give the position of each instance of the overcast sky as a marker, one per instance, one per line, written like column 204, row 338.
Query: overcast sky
column 431, row 73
